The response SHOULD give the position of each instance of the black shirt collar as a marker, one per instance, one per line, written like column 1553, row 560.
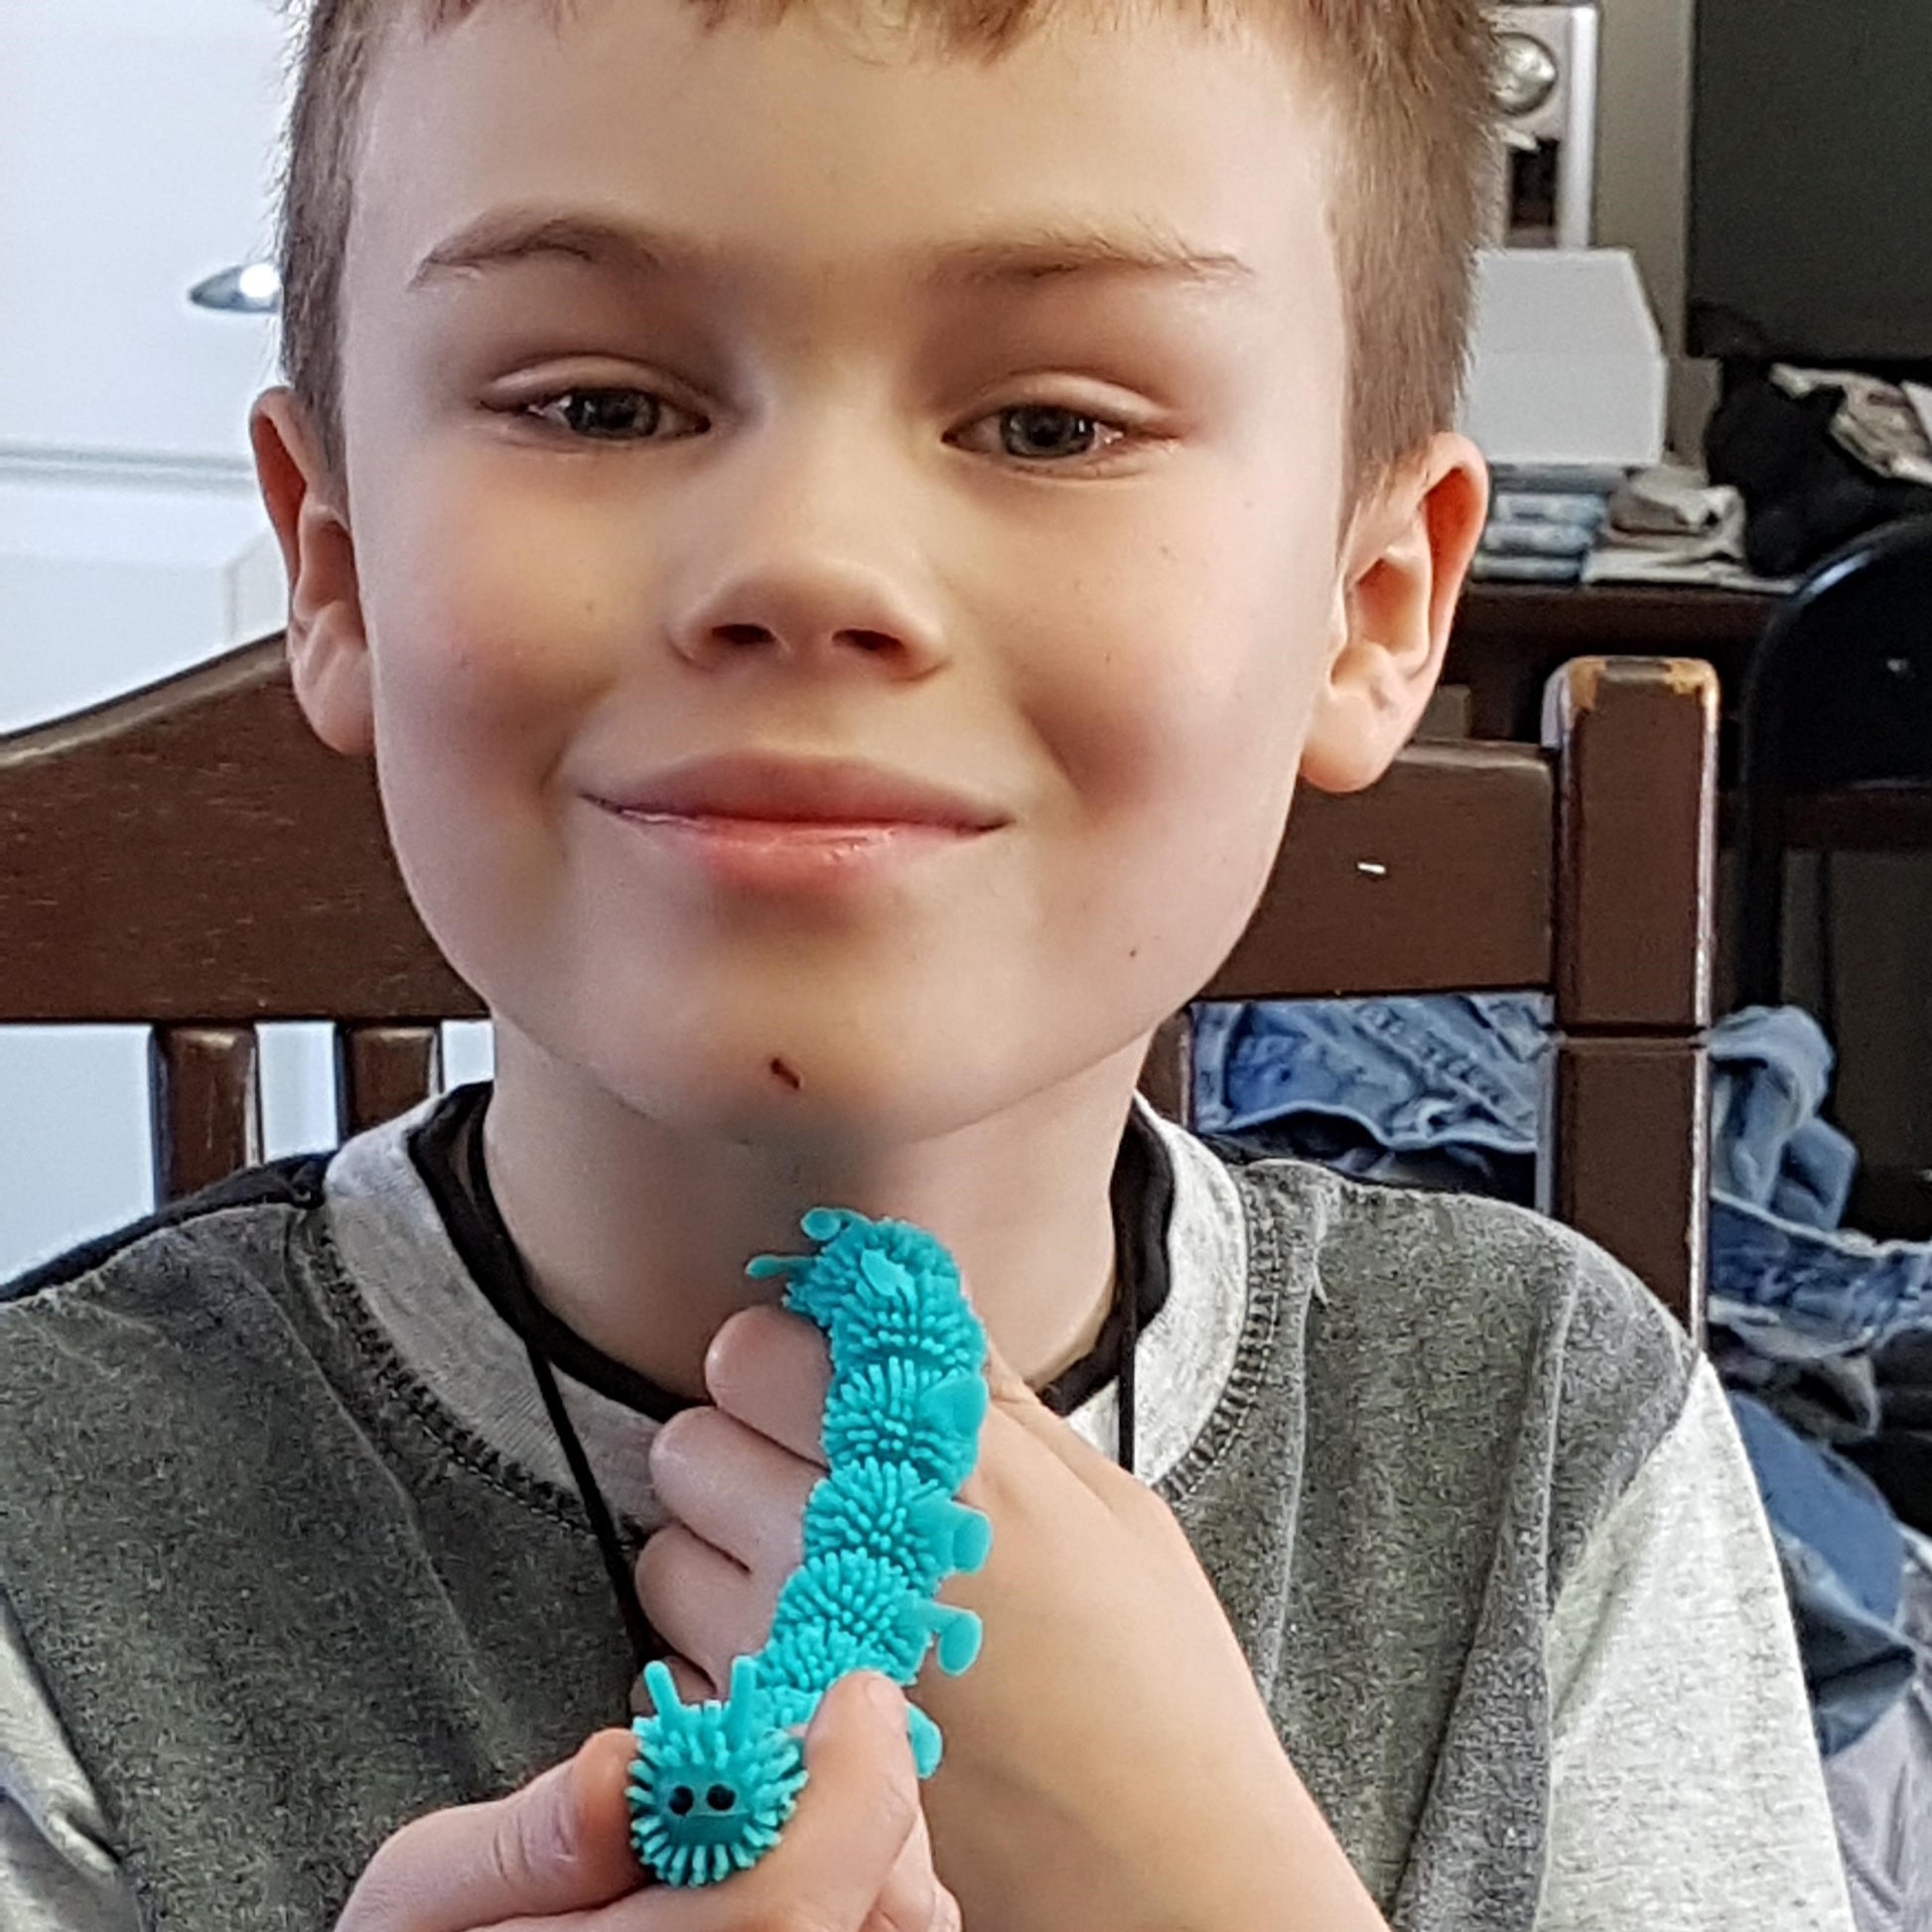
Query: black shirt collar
column 448, row 1152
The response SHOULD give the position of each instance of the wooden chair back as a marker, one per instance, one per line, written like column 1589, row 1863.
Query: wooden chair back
column 192, row 857
column 1587, row 872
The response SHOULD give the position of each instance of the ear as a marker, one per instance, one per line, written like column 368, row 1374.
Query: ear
column 1404, row 559
column 327, row 647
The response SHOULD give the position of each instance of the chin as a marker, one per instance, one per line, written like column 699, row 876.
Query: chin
column 770, row 1091
column 863, row 1073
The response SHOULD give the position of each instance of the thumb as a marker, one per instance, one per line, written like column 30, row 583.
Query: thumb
column 558, row 1844
column 840, row 1864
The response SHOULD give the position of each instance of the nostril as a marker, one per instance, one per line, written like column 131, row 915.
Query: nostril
column 744, row 633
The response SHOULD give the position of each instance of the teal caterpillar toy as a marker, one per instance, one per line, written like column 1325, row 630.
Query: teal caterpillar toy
column 713, row 1784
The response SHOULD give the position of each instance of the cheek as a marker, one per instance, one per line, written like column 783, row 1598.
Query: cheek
column 491, row 611
column 496, row 623
column 1176, row 712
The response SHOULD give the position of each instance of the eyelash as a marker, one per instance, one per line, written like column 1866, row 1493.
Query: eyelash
column 1124, row 439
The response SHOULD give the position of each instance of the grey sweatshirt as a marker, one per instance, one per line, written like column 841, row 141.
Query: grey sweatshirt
column 289, row 1555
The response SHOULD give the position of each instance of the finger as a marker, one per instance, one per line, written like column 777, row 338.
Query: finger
column 771, row 1369
column 560, row 1844
column 738, row 1489
column 913, row 1899
column 703, row 1604
column 854, row 1820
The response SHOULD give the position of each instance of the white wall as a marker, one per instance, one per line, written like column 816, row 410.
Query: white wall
column 137, row 152
column 1644, row 157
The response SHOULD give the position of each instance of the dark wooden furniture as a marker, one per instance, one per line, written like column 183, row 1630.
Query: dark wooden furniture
column 190, row 856
column 1510, row 640
column 1834, row 755
column 1585, row 872
column 1836, row 712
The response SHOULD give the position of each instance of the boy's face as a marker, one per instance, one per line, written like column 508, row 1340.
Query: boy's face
column 851, row 452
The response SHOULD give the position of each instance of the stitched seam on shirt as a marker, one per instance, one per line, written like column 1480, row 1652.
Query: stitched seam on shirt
column 1253, row 1354
column 423, row 1407
column 81, row 1265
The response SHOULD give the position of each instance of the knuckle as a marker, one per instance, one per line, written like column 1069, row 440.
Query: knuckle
column 899, row 1803
column 656, row 1562
column 530, row 1838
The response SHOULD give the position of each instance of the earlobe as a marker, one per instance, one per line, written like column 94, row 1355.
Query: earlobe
column 1407, row 553
column 328, row 646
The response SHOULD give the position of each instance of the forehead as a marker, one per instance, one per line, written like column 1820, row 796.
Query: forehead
column 840, row 148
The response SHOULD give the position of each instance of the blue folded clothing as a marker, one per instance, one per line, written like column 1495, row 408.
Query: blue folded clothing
column 1842, row 1556
column 1587, row 508
column 1487, row 565
column 1462, row 1074
column 1509, row 538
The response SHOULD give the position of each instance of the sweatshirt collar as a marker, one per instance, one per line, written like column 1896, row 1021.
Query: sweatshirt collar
column 400, row 1260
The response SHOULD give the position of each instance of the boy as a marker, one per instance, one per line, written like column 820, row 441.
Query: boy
column 840, row 529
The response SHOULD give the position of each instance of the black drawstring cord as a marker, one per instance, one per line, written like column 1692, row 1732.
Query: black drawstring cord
column 644, row 1644
column 643, row 1639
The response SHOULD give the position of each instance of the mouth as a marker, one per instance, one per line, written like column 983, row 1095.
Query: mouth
column 823, row 794
column 769, row 824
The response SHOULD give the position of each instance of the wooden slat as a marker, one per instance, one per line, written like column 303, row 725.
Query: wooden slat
column 383, row 1071
column 1435, row 881
column 205, row 1103
column 194, row 853
column 1627, row 1160
column 1637, row 844
column 1627, row 1152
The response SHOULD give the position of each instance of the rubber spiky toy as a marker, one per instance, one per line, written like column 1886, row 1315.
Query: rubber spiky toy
column 713, row 1784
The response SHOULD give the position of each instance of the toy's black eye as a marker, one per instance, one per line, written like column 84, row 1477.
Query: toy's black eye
column 721, row 1797
column 682, row 1799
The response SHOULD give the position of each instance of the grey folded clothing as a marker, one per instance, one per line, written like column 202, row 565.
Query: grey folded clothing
column 1510, row 538
column 1503, row 569
column 1565, row 506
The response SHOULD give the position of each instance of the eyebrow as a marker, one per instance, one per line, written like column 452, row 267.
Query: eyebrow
column 1047, row 252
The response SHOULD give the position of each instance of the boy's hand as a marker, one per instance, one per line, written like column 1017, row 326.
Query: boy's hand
column 1109, row 1762
column 555, row 1857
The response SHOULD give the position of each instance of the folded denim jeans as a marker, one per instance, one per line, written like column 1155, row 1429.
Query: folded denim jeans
column 1842, row 1556
column 1464, row 1075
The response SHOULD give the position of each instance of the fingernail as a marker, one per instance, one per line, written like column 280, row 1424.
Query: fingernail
column 883, row 1694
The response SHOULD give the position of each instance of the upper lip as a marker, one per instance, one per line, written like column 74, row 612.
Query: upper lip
column 807, row 790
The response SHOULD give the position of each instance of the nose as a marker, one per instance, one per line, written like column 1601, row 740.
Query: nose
column 805, row 559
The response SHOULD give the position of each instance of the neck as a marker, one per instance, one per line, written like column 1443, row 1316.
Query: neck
column 636, row 1234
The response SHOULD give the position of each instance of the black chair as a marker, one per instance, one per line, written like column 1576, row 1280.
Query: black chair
column 1834, row 741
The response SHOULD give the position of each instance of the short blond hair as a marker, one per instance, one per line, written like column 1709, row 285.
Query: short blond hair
column 1408, row 84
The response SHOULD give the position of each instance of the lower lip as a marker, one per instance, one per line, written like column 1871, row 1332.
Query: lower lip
column 796, row 855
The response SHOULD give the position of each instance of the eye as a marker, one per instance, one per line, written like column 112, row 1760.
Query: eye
column 721, row 1797
column 619, row 415
column 1042, row 435
column 681, row 1800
